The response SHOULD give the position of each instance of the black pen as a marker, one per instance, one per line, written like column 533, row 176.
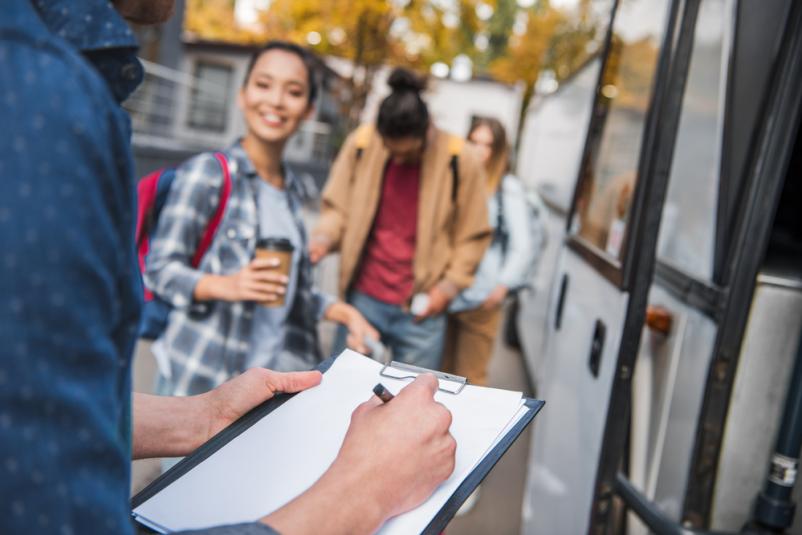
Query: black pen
column 382, row 393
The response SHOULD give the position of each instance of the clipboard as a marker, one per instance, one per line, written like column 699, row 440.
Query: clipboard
column 438, row 522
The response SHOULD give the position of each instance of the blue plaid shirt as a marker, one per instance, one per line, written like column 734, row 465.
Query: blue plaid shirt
column 70, row 285
column 206, row 343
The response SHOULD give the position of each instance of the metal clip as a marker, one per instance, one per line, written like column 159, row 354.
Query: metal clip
column 451, row 384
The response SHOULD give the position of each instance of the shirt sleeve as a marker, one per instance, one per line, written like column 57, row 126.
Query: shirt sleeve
column 191, row 203
column 68, row 310
column 322, row 302
column 251, row 528
column 520, row 246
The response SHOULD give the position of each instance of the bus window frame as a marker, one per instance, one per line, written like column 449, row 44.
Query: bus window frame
column 763, row 175
column 674, row 65
column 618, row 271
column 708, row 296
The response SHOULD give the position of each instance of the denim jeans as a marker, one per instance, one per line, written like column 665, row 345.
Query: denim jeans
column 420, row 344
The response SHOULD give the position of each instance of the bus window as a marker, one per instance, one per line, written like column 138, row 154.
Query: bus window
column 687, row 232
column 609, row 171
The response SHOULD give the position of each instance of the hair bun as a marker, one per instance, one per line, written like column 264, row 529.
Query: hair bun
column 404, row 80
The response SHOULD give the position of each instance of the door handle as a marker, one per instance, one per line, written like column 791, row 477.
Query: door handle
column 558, row 313
column 659, row 319
column 597, row 347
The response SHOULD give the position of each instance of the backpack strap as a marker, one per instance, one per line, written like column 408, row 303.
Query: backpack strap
column 455, row 144
column 501, row 222
column 362, row 137
column 211, row 228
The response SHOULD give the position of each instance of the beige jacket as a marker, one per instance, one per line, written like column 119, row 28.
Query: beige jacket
column 452, row 236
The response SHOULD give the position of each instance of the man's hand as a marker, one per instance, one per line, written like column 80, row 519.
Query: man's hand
column 410, row 448
column 358, row 330
column 231, row 400
column 393, row 457
column 175, row 426
column 496, row 297
column 440, row 296
column 319, row 247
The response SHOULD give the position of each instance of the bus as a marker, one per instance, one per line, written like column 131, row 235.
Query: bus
column 664, row 329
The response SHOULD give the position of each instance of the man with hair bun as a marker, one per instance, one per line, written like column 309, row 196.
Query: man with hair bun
column 404, row 205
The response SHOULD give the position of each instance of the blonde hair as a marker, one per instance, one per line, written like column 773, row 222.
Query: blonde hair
column 498, row 164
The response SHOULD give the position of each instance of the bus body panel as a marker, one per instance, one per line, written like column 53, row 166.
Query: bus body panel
column 567, row 438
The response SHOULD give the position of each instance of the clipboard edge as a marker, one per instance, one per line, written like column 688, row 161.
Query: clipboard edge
column 485, row 466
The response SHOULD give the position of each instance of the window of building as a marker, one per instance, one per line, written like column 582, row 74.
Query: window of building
column 210, row 97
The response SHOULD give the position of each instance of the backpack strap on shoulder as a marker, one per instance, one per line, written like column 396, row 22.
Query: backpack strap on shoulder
column 362, row 137
column 211, row 228
column 455, row 144
column 502, row 232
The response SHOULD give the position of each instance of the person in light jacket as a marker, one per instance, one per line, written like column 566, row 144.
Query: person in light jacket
column 404, row 205
column 473, row 320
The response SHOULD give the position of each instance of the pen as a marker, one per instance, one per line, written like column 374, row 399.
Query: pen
column 382, row 393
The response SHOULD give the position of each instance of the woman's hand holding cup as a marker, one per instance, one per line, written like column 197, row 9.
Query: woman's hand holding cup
column 259, row 281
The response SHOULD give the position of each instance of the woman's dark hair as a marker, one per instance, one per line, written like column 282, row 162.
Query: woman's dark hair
column 403, row 113
column 309, row 60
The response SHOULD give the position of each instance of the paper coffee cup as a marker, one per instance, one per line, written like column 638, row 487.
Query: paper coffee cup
column 280, row 249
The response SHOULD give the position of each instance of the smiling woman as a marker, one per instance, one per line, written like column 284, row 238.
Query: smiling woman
column 277, row 95
column 236, row 309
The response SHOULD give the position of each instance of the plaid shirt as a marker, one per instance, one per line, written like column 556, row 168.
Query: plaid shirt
column 206, row 343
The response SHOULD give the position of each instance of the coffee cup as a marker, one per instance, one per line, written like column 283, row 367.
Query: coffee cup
column 280, row 249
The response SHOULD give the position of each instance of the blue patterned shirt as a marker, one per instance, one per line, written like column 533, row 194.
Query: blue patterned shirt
column 70, row 285
column 207, row 343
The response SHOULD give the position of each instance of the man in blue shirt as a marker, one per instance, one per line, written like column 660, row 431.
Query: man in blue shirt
column 70, row 306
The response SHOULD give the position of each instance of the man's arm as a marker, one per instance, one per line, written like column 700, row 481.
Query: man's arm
column 471, row 230
column 471, row 235
column 326, row 236
column 175, row 426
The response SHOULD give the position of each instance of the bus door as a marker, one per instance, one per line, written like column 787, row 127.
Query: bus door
column 605, row 266
column 680, row 458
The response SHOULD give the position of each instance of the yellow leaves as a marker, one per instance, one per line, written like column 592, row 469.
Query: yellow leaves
column 526, row 52
column 630, row 70
column 213, row 20
column 415, row 33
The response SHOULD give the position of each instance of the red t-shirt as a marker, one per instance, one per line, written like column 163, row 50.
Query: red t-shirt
column 386, row 272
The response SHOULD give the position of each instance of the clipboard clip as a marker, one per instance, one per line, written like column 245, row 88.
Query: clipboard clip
column 448, row 383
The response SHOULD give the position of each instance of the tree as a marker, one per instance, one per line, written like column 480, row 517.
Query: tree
column 414, row 33
column 553, row 40
column 213, row 20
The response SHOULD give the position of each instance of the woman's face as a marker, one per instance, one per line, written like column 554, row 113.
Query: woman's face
column 482, row 138
column 275, row 99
